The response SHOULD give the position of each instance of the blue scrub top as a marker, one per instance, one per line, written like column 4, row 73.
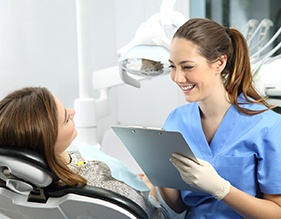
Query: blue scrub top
column 246, row 151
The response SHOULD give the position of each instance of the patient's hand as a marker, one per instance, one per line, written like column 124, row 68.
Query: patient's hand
column 147, row 182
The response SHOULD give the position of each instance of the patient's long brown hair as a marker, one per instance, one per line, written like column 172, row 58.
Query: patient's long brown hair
column 214, row 40
column 29, row 119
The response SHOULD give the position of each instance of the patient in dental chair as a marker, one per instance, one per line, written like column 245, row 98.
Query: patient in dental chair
column 33, row 118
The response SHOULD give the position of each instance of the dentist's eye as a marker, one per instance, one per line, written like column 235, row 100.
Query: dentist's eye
column 171, row 66
column 187, row 67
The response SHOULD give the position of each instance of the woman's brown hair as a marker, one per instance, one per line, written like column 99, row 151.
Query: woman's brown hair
column 29, row 119
column 214, row 40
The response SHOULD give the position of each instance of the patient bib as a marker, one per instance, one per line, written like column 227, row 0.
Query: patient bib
column 118, row 169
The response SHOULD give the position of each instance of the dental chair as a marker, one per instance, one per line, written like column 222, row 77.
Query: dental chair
column 27, row 191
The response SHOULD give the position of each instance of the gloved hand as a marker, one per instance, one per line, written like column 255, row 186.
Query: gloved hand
column 202, row 177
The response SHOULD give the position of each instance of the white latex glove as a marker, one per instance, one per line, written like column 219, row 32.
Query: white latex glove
column 202, row 177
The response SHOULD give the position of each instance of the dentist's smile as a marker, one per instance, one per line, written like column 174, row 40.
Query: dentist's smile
column 187, row 88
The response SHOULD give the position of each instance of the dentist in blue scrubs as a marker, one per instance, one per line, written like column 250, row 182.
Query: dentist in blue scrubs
column 231, row 129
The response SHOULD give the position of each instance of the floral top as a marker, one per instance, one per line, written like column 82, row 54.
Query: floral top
column 98, row 174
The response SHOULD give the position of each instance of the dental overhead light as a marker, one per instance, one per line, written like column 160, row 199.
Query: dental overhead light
column 144, row 57
column 148, row 53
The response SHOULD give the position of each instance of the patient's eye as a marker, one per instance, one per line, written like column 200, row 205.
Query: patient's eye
column 67, row 118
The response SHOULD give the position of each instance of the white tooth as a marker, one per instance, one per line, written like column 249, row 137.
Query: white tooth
column 187, row 87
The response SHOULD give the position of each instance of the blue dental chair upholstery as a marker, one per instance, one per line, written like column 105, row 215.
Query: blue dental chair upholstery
column 27, row 192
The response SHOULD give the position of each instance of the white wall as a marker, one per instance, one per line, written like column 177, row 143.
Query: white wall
column 38, row 47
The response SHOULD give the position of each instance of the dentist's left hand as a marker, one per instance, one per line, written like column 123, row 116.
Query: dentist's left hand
column 202, row 177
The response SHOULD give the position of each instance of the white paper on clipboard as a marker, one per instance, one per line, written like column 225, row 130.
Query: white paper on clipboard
column 152, row 149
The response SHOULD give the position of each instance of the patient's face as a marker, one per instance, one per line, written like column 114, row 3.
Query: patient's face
column 66, row 129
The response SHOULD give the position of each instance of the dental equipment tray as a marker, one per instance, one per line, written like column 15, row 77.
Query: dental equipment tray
column 152, row 148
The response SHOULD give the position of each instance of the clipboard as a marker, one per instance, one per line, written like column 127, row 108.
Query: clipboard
column 152, row 148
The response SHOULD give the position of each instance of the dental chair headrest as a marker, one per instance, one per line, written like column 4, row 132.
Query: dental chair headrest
column 20, row 164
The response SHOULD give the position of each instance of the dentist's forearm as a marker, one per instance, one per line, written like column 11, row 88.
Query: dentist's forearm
column 251, row 207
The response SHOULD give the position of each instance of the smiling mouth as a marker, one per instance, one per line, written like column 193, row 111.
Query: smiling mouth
column 187, row 88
